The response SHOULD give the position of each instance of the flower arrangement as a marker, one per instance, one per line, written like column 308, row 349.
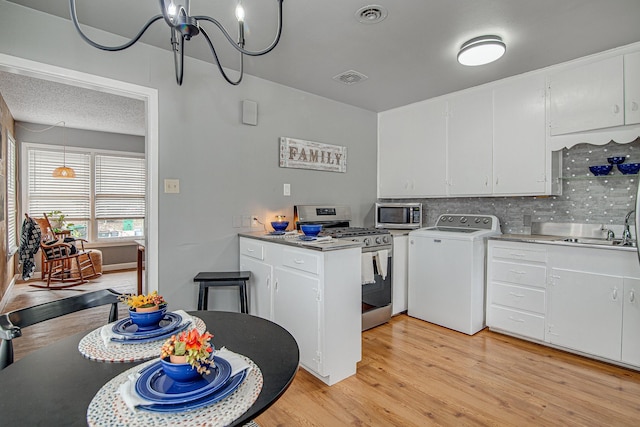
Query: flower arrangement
column 143, row 301
column 195, row 347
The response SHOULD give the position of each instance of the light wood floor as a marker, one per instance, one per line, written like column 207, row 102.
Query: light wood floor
column 414, row 373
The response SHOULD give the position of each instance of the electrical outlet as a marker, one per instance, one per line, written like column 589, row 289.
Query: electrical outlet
column 254, row 221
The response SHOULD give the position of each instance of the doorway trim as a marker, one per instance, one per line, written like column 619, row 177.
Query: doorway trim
column 149, row 96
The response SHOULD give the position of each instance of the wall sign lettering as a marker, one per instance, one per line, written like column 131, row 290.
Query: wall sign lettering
column 301, row 154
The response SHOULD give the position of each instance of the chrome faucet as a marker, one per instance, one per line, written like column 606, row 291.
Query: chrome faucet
column 626, row 234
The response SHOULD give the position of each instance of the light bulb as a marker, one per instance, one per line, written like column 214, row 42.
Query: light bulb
column 171, row 9
column 240, row 12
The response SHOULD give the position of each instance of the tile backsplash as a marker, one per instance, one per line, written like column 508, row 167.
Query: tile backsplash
column 585, row 198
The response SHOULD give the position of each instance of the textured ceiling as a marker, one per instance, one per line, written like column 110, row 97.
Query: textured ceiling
column 409, row 56
column 45, row 102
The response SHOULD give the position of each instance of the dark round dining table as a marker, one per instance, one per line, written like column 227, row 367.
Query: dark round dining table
column 54, row 386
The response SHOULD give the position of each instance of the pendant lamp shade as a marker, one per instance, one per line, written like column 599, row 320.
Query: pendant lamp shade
column 64, row 171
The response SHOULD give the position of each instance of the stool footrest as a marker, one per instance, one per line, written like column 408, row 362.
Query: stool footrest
column 222, row 278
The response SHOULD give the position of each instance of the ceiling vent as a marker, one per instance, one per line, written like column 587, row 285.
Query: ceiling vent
column 371, row 14
column 350, row 77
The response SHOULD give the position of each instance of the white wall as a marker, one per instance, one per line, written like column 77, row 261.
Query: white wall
column 225, row 168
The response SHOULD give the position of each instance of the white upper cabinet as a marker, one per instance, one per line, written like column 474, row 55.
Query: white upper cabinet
column 470, row 143
column 411, row 150
column 519, row 144
column 587, row 97
column 632, row 88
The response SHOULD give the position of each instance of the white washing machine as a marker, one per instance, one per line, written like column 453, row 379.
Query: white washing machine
column 447, row 271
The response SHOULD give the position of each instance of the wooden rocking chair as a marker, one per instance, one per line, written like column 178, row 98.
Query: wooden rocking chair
column 58, row 262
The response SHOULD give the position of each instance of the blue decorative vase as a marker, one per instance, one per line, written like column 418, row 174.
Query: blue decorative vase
column 147, row 320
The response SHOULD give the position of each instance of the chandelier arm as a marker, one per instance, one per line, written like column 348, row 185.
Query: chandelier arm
column 74, row 19
column 178, row 65
column 239, row 48
column 217, row 60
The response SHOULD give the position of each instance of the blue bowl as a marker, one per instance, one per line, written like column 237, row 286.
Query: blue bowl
column 616, row 160
column 311, row 229
column 148, row 320
column 601, row 170
column 280, row 226
column 629, row 168
column 180, row 372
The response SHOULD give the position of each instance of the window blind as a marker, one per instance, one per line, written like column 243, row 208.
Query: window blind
column 46, row 193
column 12, row 231
column 120, row 187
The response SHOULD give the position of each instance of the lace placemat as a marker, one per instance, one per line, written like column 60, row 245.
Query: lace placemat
column 108, row 409
column 92, row 347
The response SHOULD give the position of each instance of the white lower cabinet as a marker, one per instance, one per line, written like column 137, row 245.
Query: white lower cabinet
column 315, row 295
column 400, row 267
column 296, row 307
column 516, row 295
column 631, row 322
column 581, row 299
column 585, row 312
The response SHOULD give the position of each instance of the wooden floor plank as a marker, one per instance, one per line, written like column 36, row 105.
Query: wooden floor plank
column 414, row 373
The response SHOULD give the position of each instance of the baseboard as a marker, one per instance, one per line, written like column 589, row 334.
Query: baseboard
column 3, row 302
column 122, row 266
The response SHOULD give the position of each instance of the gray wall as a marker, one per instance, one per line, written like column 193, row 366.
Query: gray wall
column 225, row 168
column 585, row 198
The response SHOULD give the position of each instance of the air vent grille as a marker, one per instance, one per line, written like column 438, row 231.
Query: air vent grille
column 371, row 14
column 350, row 77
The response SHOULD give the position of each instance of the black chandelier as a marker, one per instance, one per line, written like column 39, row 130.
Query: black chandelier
column 176, row 14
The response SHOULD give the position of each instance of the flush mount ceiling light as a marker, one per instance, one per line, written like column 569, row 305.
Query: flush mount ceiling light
column 481, row 50
column 183, row 26
column 63, row 171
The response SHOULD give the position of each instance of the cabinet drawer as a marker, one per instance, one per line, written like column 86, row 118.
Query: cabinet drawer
column 519, row 254
column 518, row 297
column 527, row 325
column 252, row 248
column 301, row 261
column 520, row 274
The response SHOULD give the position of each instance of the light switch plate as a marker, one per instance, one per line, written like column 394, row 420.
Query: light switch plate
column 171, row 185
column 287, row 189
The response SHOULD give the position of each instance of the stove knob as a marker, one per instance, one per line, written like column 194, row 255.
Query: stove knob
column 477, row 220
column 385, row 239
column 378, row 240
column 367, row 241
column 463, row 219
column 485, row 221
column 450, row 219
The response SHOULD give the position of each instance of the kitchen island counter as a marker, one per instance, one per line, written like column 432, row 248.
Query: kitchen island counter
column 289, row 239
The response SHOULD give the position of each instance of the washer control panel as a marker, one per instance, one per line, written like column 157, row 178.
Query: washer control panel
column 478, row 222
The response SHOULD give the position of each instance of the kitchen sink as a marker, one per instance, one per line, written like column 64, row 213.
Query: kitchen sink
column 603, row 242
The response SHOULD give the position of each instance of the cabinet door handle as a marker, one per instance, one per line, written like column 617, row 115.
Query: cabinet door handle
column 517, row 255
column 516, row 320
column 614, row 294
column 616, row 109
column 632, row 296
column 250, row 250
column 268, row 282
column 517, row 272
column 298, row 261
column 516, row 295
column 275, row 285
column 634, row 106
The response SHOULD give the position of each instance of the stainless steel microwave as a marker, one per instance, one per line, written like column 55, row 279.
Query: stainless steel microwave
column 399, row 215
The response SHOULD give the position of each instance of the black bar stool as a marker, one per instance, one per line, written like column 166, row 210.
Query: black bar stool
column 223, row 278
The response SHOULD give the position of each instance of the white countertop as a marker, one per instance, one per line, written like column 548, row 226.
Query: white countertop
column 291, row 239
